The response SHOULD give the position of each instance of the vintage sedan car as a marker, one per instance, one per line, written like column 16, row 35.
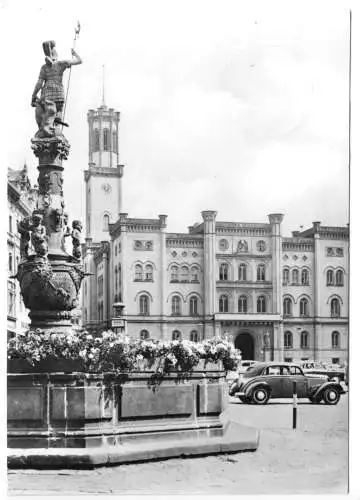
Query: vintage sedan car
column 275, row 380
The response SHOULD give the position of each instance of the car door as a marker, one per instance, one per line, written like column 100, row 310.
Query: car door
column 296, row 375
column 286, row 382
column 273, row 378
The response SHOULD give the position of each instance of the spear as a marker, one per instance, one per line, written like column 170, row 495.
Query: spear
column 77, row 32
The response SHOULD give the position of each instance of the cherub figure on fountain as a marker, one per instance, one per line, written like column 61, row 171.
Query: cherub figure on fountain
column 76, row 238
column 38, row 235
column 24, row 227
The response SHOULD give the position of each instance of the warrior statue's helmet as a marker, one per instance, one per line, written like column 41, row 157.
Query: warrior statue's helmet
column 49, row 50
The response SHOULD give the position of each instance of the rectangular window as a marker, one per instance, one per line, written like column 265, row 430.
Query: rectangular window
column 11, row 300
column 10, row 224
column 335, row 361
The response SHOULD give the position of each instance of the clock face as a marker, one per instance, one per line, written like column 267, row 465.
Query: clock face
column 106, row 188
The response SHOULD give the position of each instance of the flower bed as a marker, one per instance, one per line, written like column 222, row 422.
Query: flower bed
column 110, row 352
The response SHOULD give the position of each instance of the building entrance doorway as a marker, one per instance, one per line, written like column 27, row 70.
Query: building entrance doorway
column 245, row 342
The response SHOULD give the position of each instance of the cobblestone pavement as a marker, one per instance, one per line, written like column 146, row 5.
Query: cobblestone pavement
column 310, row 459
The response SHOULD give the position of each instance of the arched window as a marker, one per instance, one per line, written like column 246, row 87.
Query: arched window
column 261, row 304
column 286, row 278
column 339, row 278
column 96, row 140
column 149, row 272
column 335, row 340
column 330, row 277
column 287, row 307
column 106, row 220
column 260, row 272
column 288, row 340
column 242, row 272
column 295, row 277
column 116, row 282
column 242, row 304
column 176, row 335
column 144, row 335
column 138, row 272
column 174, row 276
column 304, row 307
column 194, row 274
column 304, row 277
column 176, row 306
column 10, row 224
column 223, row 304
column 10, row 262
column 335, row 308
column 185, row 274
column 115, row 142
column 224, row 272
column 144, row 305
column 106, row 136
column 194, row 336
column 304, row 340
column 193, row 306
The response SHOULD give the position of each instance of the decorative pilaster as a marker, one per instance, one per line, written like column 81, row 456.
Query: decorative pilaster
column 209, row 217
column 163, row 274
column 275, row 221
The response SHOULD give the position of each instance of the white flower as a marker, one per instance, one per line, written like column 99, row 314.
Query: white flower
column 89, row 337
column 172, row 358
column 139, row 357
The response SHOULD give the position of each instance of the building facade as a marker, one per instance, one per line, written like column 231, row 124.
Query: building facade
column 21, row 199
column 279, row 298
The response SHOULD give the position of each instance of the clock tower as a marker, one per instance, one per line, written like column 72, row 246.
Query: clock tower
column 104, row 175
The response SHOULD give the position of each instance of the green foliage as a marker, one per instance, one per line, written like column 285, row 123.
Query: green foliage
column 111, row 352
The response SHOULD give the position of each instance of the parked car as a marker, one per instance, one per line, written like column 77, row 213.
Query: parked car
column 275, row 380
column 334, row 372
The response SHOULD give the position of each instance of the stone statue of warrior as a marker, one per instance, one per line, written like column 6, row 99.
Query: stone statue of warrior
column 50, row 79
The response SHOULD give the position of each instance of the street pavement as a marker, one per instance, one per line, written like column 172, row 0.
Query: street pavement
column 309, row 460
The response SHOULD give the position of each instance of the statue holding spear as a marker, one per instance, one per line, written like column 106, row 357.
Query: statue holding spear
column 51, row 86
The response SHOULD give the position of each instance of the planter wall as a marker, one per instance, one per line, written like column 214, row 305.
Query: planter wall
column 99, row 416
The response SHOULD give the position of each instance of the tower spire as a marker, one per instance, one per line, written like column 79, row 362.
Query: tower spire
column 103, row 85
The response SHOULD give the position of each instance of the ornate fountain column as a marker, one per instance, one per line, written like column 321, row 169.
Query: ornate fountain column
column 49, row 277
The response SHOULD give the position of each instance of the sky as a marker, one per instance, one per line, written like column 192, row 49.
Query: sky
column 238, row 107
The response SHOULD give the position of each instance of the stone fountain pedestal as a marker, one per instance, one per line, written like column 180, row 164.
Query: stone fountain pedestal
column 84, row 420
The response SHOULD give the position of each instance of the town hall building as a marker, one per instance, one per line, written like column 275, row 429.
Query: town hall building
column 284, row 297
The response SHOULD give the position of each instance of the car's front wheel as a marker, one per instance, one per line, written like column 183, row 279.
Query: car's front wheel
column 331, row 396
column 260, row 396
